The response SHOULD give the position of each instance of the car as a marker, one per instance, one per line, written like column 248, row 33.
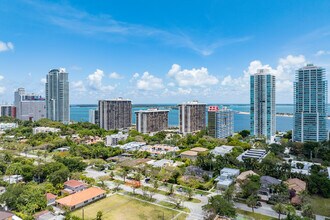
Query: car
column 146, row 180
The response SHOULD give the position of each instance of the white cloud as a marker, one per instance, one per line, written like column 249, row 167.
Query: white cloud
column 194, row 77
column 1, row 77
column 184, row 91
column 149, row 82
column 322, row 52
column 136, row 75
column 115, row 75
column 78, row 86
column 6, row 46
column 43, row 80
column 95, row 79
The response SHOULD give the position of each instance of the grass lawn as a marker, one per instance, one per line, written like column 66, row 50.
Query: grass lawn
column 251, row 215
column 123, row 207
column 321, row 206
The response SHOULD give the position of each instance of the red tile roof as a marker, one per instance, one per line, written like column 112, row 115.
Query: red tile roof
column 73, row 183
column 81, row 196
column 50, row 196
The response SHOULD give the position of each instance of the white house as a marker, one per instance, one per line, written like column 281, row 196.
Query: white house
column 226, row 178
column 222, row 150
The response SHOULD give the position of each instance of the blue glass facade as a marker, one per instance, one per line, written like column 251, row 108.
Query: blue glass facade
column 262, row 100
column 310, row 109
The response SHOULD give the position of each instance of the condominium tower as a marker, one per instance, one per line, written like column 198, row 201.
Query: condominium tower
column 192, row 117
column 8, row 110
column 151, row 120
column 30, row 107
column 310, row 104
column 93, row 116
column 220, row 122
column 115, row 114
column 262, row 104
column 57, row 96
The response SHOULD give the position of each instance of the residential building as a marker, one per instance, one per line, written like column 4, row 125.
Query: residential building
column 257, row 154
column 50, row 198
column 226, row 178
column 115, row 114
column 132, row 146
column 244, row 175
column 73, row 186
column 302, row 167
column 12, row 179
column 4, row 215
column 37, row 130
column 57, row 95
column 193, row 153
column 159, row 149
column 192, row 117
column 296, row 186
column 81, row 198
column 113, row 139
column 151, row 120
column 262, row 104
column 93, row 116
column 8, row 110
column 30, row 107
column 161, row 163
column 8, row 126
column 310, row 104
column 267, row 184
column 220, row 122
column 222, row 150
column 47, row 215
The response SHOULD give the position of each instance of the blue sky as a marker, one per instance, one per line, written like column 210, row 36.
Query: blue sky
column 160, row 51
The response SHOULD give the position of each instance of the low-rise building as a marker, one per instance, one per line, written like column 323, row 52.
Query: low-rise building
column 222, row 150
column 73, row 186
column 161, row 163
column 132, row 146
column 113, row 139
column 257, row 154
column 47, row 215
column 193, row 153
column 226, row 178
column 50, row 198
column 267, row 184
column 8, row 126
column 244, row 175
column 159, row 149
column 37, row 130
column 4, row 215
column 13, row 179
column 296, row 186
column 81, row 198
column 302, row 167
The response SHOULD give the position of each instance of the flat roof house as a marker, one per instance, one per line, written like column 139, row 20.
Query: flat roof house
column 226, row 178
column 81, row 198
column 258, row 154
column 222, row 150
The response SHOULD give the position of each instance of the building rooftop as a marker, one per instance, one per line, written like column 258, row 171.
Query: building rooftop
column 296, row 184
column 244, row 175
column 189, row 153
column 152, row 110
column 222, row 150
column 199, row 149
column 73, row 183
column 80, row 197
column 50, row 196
column 5, row 215
column 195, row 102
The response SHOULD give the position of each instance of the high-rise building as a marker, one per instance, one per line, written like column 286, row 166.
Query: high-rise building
column 57, row 96
column 93, row 116
column 220, row 122
column 115, row 114
column 310, row 104
column 192, row 117
column 262, row 104
column 151, row 120
column 29, row 106
column 8, row 110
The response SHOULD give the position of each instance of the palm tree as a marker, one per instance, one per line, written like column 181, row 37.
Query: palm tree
column 228, row 194
column 252, row 202
column 280, row 209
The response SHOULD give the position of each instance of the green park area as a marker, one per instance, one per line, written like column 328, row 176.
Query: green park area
column 320, row 206
column 124, row 207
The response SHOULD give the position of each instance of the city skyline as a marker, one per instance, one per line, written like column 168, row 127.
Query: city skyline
column 145, row 54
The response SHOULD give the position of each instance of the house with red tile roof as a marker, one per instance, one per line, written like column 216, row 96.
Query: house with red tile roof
column 296, row 186
column 50, row 198
column 81, row 198
column 73, row 186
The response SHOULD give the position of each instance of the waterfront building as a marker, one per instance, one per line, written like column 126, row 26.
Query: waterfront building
column 262, row 104
column 115, row 114
column 93, row 116
column 310, row 104
column 220, row 122
column 192, row 117
column 151, row 120
column 57, row 96
column 8, row 110
column 30, row 107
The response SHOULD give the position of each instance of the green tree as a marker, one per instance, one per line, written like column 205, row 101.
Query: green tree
column 280, row 209
column 228, row 194
column 217, row 205
column 252, row 202
column 99, row 215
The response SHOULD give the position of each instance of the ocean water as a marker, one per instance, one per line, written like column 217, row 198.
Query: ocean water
column 241, row 121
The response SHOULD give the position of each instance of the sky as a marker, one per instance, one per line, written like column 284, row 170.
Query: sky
column 162, row 51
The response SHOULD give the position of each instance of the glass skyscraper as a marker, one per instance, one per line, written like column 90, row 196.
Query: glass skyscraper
column 310, row 104
column 57, row 96
column 220, row 122
column 262, row 108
